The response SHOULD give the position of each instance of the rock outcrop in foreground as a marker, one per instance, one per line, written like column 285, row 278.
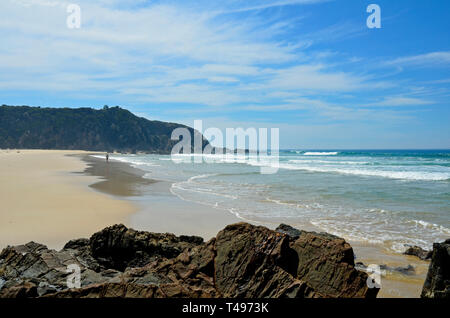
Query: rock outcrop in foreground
column 437, row 283
column 241, row 261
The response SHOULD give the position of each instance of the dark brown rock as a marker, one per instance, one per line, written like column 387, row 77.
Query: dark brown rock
column 126, row 290
column 326, row 262
column 119, row 247
column 249, row 262
column 77, row 243
column 22, row 290
column 183, row 276
column 242, row 261
column 252, row 260
column 47, row 269
column 419, row 252
column 437, row 283
column 288, row 230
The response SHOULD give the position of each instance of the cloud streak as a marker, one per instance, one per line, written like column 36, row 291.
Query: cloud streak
column 428, row 59
column 401, row 101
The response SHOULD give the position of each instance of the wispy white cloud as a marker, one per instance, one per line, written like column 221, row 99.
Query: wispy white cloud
column 428, row 59
column 254, row 5
column 160, row 53
column 316, row 78
column 401, row 101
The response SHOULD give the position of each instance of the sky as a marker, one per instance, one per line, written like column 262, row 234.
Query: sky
column 311, row 68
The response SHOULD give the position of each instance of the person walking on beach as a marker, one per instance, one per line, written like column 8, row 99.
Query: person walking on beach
column 107, row 157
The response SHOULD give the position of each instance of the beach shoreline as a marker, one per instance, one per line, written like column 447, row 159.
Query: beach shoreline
column 162, row 211
column 120, row 193
column 158, row 210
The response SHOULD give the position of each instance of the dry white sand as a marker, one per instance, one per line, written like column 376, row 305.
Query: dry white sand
column 43, row 200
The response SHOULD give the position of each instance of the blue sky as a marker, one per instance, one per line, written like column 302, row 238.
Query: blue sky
column 309, row 67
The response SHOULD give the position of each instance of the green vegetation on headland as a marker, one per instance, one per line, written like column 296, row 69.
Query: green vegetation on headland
column 108, row 129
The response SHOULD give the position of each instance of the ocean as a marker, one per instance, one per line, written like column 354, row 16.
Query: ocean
column 390, row 198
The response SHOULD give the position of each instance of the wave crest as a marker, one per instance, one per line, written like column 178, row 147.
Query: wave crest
column 314, row 153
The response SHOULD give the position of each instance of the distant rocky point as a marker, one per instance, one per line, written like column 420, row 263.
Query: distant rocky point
column 243, row 260
column 108, row 129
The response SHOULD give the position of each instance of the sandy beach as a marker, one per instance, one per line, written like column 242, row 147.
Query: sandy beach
column 52, row 197
column 44, row 199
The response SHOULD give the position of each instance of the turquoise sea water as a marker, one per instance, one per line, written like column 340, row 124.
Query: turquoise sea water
column 386, row 197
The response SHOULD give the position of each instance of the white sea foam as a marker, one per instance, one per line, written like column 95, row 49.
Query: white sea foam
column 405, row 175
column 299, row 161
column 186, row 186
column 314, row 153
column 431, row 226
column 131, row 160
column 98, row 157
column 202, row 176
column 331, row 166
column 214, row 205
column 373, row 226
column 393, row 234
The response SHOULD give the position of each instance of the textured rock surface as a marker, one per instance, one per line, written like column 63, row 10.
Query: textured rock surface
column 118, row 247
column 254, row 262
column 242, row 261
column 437, row 283
column 326, row 262
column 288, row 230
column 419, row 252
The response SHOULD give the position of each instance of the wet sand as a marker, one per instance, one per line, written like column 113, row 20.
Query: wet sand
column 394, row 284
column 158, row 209
column 116, row 178
column 165, row 212
column 44, row 198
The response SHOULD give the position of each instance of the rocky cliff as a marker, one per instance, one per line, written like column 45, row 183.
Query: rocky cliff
column 243, row 260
